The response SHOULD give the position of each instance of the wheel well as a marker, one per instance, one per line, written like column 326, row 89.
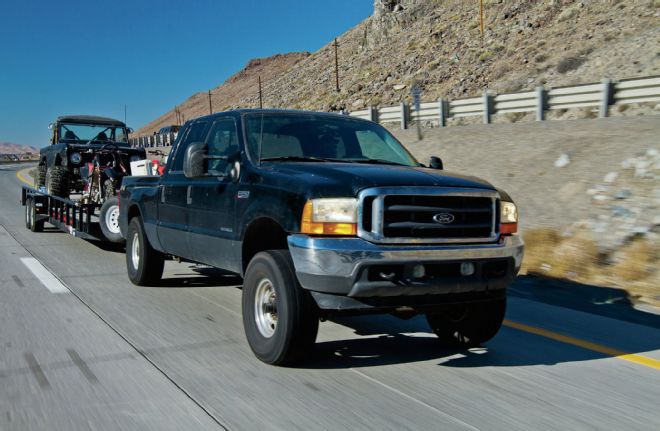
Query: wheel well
column 133, row 211
column 262, row 234
column 58, row 160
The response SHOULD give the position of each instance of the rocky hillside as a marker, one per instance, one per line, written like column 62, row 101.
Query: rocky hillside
column 9, row 148
column 437, row 44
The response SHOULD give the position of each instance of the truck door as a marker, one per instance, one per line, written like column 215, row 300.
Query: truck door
column 213, row 198
column 174, row 194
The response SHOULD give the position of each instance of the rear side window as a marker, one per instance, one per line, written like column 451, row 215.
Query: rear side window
column 196, row 133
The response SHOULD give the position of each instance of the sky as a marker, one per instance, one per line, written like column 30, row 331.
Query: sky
column 60, row 57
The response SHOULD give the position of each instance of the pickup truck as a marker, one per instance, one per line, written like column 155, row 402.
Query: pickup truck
column 322, row 214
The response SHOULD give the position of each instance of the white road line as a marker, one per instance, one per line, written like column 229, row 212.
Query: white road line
column 45, row 276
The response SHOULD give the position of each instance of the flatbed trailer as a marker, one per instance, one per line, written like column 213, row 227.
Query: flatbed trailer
column 72, row 217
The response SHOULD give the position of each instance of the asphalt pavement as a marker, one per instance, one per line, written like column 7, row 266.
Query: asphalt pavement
column 82, row 348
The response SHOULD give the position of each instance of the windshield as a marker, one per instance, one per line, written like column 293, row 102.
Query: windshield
column 309, row 137
column 91, row 132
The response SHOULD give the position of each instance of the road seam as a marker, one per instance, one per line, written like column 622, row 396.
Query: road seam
column 615, row 353
column 416, row 400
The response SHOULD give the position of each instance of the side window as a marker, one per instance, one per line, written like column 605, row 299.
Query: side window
column 196, row 133
column 222, row 142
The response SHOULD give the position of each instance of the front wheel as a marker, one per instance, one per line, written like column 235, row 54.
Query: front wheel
column 280, row 318
column 144, row 265
column 109, row 220
column 468, row 324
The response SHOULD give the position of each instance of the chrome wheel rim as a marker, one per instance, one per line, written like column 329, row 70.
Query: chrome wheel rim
column 112, row 219
column 135, row 251
column 28, row 214
column 265, row 308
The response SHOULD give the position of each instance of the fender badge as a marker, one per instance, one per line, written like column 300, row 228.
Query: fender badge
column 242, row 194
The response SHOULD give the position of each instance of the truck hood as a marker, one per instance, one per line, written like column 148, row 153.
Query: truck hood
column 349, row 178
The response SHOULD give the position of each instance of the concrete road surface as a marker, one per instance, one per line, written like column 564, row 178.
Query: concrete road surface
column 83, row 349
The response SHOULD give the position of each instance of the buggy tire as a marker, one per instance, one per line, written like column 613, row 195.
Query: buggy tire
column 280, row 318
column 144, row 265
column 40, row 179
column 468, row 324
column 57, row 181
column 109, row 220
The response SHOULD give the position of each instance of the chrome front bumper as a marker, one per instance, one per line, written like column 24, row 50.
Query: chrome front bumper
column 340, row 266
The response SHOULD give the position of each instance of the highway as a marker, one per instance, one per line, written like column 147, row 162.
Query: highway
column 81, row 348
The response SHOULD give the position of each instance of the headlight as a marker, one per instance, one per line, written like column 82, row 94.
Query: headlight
column 135, row 158
column 75, row 158
column 508, row 218
column 330, row 216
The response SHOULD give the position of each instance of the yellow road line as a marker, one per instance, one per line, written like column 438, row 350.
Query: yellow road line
column 21, row 175
column 638, row 359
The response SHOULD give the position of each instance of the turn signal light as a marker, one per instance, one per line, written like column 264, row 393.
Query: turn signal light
column 508, row 228
column 311, row 227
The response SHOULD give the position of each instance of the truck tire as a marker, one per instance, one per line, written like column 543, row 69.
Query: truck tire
column 31, row 217
column 40, row 179
column 109, row 220
column 57, row 181
column 280, row 318
column 468, row 324
column 144, row 265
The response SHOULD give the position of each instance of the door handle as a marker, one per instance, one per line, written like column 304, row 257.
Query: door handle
column 189, row 198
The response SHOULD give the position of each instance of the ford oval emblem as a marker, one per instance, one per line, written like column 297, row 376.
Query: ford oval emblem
column 443, row 218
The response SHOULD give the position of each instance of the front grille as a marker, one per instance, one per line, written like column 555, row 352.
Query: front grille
column 431, row 215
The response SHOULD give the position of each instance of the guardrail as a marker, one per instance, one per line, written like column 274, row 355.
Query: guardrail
column 151, row 141
column 600, row 95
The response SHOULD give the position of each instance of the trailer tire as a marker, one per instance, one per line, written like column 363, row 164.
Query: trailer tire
column 109, row 220
column 40, row 179
column 280, row 318
column 31, row 217
column 468, row 324
column 144, row 265
column 57, row 181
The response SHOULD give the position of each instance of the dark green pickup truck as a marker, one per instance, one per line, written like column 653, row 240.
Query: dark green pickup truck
column 323, row 214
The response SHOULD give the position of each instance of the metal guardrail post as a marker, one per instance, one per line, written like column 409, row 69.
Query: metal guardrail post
column 443, row 110
column 607, row 98
column 373, row 114
column 541, row 96
column 488, row 106
column 404, row 116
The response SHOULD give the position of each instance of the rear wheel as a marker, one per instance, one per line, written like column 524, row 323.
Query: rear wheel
column 143, row 264
column 109, row 220
column 280, row 318
column 57, row 181
column 31, row 220
column 468, row 324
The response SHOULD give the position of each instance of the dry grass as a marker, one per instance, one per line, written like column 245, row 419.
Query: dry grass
column 577, row 258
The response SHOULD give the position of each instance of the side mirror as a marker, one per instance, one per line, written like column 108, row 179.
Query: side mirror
column 50, row 126
column 129, row 130
column 435, row 163
column 193, row 160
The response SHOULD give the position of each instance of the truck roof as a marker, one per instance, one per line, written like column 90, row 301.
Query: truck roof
column 89, row 119
column 272, row 111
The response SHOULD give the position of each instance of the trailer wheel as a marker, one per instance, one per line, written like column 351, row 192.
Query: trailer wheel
column 31, row 217
column 468, row 324
column 144, row 265
column 109, row 220
column 57, row 181
column 280, row 318
column 40, row 179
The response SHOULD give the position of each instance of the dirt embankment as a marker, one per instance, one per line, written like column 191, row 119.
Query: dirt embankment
column 588, row 192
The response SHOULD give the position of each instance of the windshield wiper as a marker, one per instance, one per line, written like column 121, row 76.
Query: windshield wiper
column 295, row 159
column 374, row 162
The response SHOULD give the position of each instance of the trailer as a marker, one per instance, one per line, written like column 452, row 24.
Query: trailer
column 70, row 216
